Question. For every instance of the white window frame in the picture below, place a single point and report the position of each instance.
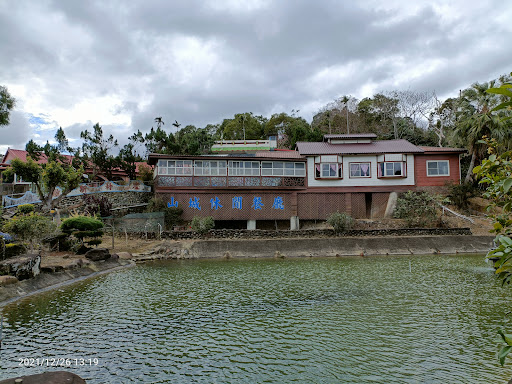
(359, 163)
(439, 161)
(385, 163)
(210, 168)
(329, 168)
(244, 170)
(175, 167)
(282, 168)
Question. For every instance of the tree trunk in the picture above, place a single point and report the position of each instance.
(469, 175)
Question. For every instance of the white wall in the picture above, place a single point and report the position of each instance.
(362, 181)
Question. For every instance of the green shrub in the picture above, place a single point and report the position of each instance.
(32, 228)
(202, 225)
(459, 194)
(25, 208)
(14, 249)
(419, 209)
(340, 221)
(81, 228)
(81, 223)
(172, 214)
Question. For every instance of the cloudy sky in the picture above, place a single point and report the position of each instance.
(73, 63)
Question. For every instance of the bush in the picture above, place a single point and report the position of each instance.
(172, 214)
(459, 194)
(32, 228)
(82, 227)
(25, 208)
(202, 225)
(340, 221)
(81, 223)
(145, 173)
(97, 205)
(419, 209)
(14, 249)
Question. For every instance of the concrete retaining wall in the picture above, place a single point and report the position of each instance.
(347, 246)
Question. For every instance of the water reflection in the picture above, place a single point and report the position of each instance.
(347, 320)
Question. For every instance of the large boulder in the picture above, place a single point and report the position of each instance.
(7, 280)
(98, 254)
(22, 267)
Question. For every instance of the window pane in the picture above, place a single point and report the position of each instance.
(213, 164)
(278, 172)
(289, 165)
(266, 172)
(432, 165)
(266, 165)
(300, 172)
(299, 165)
(289, 172)
(398, 169)
(171, 163)
(365, 169)
(278, 164)
(354, 170)
(199, 163)
(443, 167)
(255, 164)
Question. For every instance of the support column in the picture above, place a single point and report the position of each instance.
(251, 224)
(294, 223)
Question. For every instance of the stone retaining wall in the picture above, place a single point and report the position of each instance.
(118, 199)
(312, 233)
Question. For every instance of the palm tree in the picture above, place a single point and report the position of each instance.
(159, 122)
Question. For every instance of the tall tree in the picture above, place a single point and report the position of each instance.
(97, 151)
(253, 126)
(7, 103)
(57, 172)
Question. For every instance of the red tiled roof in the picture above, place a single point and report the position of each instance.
(380, 146)
(22, 155)
(443, 149)
(351, 136)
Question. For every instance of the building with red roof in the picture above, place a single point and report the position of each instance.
(353, 173)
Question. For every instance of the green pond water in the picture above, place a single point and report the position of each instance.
(339, 320)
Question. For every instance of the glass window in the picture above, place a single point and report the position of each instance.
(329, 170)
(244, 168)
(438, 168)
(210, 168)
(391, 169)
(175, 167)
(359, 169)
(281, 168)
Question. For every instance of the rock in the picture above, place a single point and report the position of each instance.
(124, 255)
(58, 377)
(97, 254)
(22, 267)
(115, 256)
(6, 280)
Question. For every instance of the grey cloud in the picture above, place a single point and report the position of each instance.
(17, 133)
(266, 59)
